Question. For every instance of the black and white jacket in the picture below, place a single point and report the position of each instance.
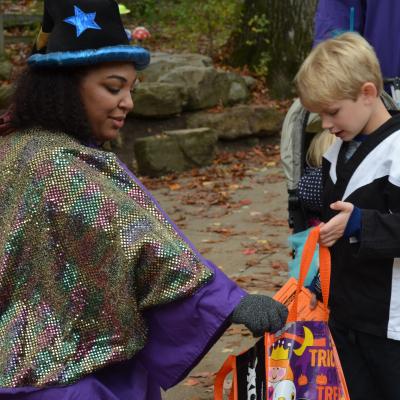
(365, 282)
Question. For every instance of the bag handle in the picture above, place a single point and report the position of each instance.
(228, 366)
(324, 271)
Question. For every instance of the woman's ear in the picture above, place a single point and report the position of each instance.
(369, 91)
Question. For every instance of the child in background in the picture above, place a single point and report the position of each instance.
(309, 192)
(341, 80)
(310, 185)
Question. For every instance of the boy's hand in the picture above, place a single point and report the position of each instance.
(333, 230)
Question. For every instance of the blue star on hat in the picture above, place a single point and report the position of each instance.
(82, 21)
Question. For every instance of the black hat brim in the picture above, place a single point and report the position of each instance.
(139, 56)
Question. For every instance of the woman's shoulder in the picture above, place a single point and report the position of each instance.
(46, 155)
(37, 146)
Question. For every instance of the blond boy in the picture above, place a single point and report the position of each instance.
(341, 80)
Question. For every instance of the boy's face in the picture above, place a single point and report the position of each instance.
(346, 118)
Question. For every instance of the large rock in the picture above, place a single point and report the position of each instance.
(175, 151)
(5, 69)
(199, 83)
(162, 63)
(250, 81)
(6, 92)
(240, 121)
(158, 99)
(231, 88)
(206, 87)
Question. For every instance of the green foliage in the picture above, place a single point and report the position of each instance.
(262, 66)
(272, 39)
(198, 25)
(143, 12)
(258, 26)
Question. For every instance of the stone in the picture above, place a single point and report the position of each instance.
(230, 88)
(175, 151)
(207, 87)
(6, 91)
(161, 63)
(5, 69)
(250, 81)
(199, 83)
(240, 121)
(158, 99)
(314, 124)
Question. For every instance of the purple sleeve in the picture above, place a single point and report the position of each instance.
(181, 333)
(334, 15)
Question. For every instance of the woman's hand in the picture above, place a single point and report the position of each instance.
(333, 230)
(260, 314)
(313, 301)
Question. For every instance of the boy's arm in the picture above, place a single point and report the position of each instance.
(378, 232)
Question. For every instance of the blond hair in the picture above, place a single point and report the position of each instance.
(320, 143)
(336, 69)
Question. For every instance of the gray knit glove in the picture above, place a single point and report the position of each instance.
(260, 314)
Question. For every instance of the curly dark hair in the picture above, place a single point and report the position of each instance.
(50, 98)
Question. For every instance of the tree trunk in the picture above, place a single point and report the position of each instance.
(273, 39)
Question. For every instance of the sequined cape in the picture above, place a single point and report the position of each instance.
(84, 252)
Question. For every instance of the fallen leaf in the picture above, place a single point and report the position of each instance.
(252, 263)
(226, 350)
(191, 382)
(204, 374)
(174, 186)
(213, 241)
(249, 252)
(245, 202)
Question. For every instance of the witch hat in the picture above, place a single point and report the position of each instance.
(84, 32)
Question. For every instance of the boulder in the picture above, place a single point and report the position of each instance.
(162, 63)
(199, 83)
(5, 69)
(158, 99)
(207, 87)
(231, 88)
(250, 81)
(6, 91)
(314, 124)
(240, 121)
(175, 151)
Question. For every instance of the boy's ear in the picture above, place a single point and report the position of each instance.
(368, 89)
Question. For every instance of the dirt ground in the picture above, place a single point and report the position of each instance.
(235, 212)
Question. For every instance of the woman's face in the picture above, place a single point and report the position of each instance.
(106, 95)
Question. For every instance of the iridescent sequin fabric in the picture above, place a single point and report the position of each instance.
(83, 252)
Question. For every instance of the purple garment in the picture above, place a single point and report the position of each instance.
(377, 20)
(180, 334)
